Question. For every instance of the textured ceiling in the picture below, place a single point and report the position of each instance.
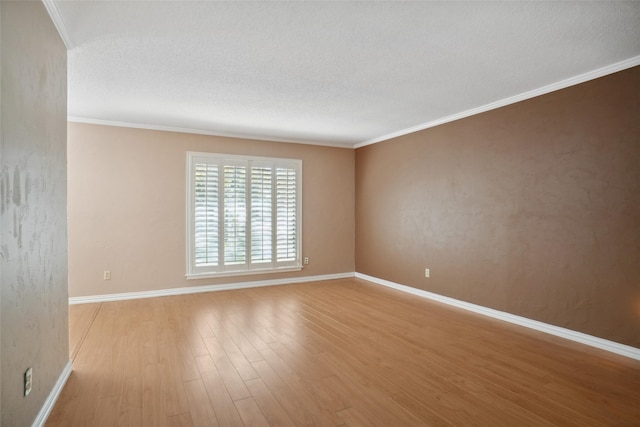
(335, 73)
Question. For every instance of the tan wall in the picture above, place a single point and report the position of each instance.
(533, 208)
(33, 259)
(127, 207)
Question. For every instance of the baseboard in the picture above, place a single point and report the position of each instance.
(611, 346)
(41, 419)
(205, 288)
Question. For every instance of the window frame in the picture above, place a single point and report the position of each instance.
(248, 268)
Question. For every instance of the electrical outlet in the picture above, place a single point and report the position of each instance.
(28, 381)
(306, 260)
(107, 275)
(426, 272)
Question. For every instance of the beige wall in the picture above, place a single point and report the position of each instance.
(33, 261)
(127, 207)
(533, 208)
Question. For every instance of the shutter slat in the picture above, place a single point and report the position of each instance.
(235, 214)
(286, 238)
(261, 214)
(206, 214)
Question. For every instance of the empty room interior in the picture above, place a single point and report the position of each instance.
(319, 213)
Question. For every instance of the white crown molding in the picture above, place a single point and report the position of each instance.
(572, 81)
(591, 75)
(611, 346)
(56, 17)
(48, 405)
(76, 119)
(205, 288)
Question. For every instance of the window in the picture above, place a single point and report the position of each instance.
(243, 214)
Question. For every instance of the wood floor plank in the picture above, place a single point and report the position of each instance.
(225, 410)
(313, 393)
(300, 407)
(173, 390)
(180, 420)
(249, 327)
(234, 354)
(153, 413)
(179, 326)
(341, 352)
(202, 413)
(241, 342)
(250, 413)
(352, 417)
(374, 403)
(106, 414)
(422, 412)
(130, 412)
(232, 379)
(271, 408)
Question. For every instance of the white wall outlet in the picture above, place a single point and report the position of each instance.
(28, 381)
(306, 260)
(426, 272)
(107, 275)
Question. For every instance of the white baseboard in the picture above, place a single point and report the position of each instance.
(590, 340)
(558, 331)
(41, 419)
(205, 288)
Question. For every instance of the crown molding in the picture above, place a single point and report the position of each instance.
(75, 119)
(572, 81)
(56, 17)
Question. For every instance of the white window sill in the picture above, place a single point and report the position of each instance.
(241, 273)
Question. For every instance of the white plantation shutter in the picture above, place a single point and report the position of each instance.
(286, 237)
(206, 212)
(235, 215)
(261, 214)
(243, 214)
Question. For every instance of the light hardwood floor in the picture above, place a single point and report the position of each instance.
(342, 352)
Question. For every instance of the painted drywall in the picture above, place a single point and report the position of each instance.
(532, 209)
(34, 310)
(127, 207)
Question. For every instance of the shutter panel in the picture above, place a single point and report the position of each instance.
(206, 214)
(235, 215)
(261, 214)
(286, 236)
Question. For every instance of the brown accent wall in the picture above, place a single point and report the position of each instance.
(533, 208)
(127, 207)
(33, 202)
